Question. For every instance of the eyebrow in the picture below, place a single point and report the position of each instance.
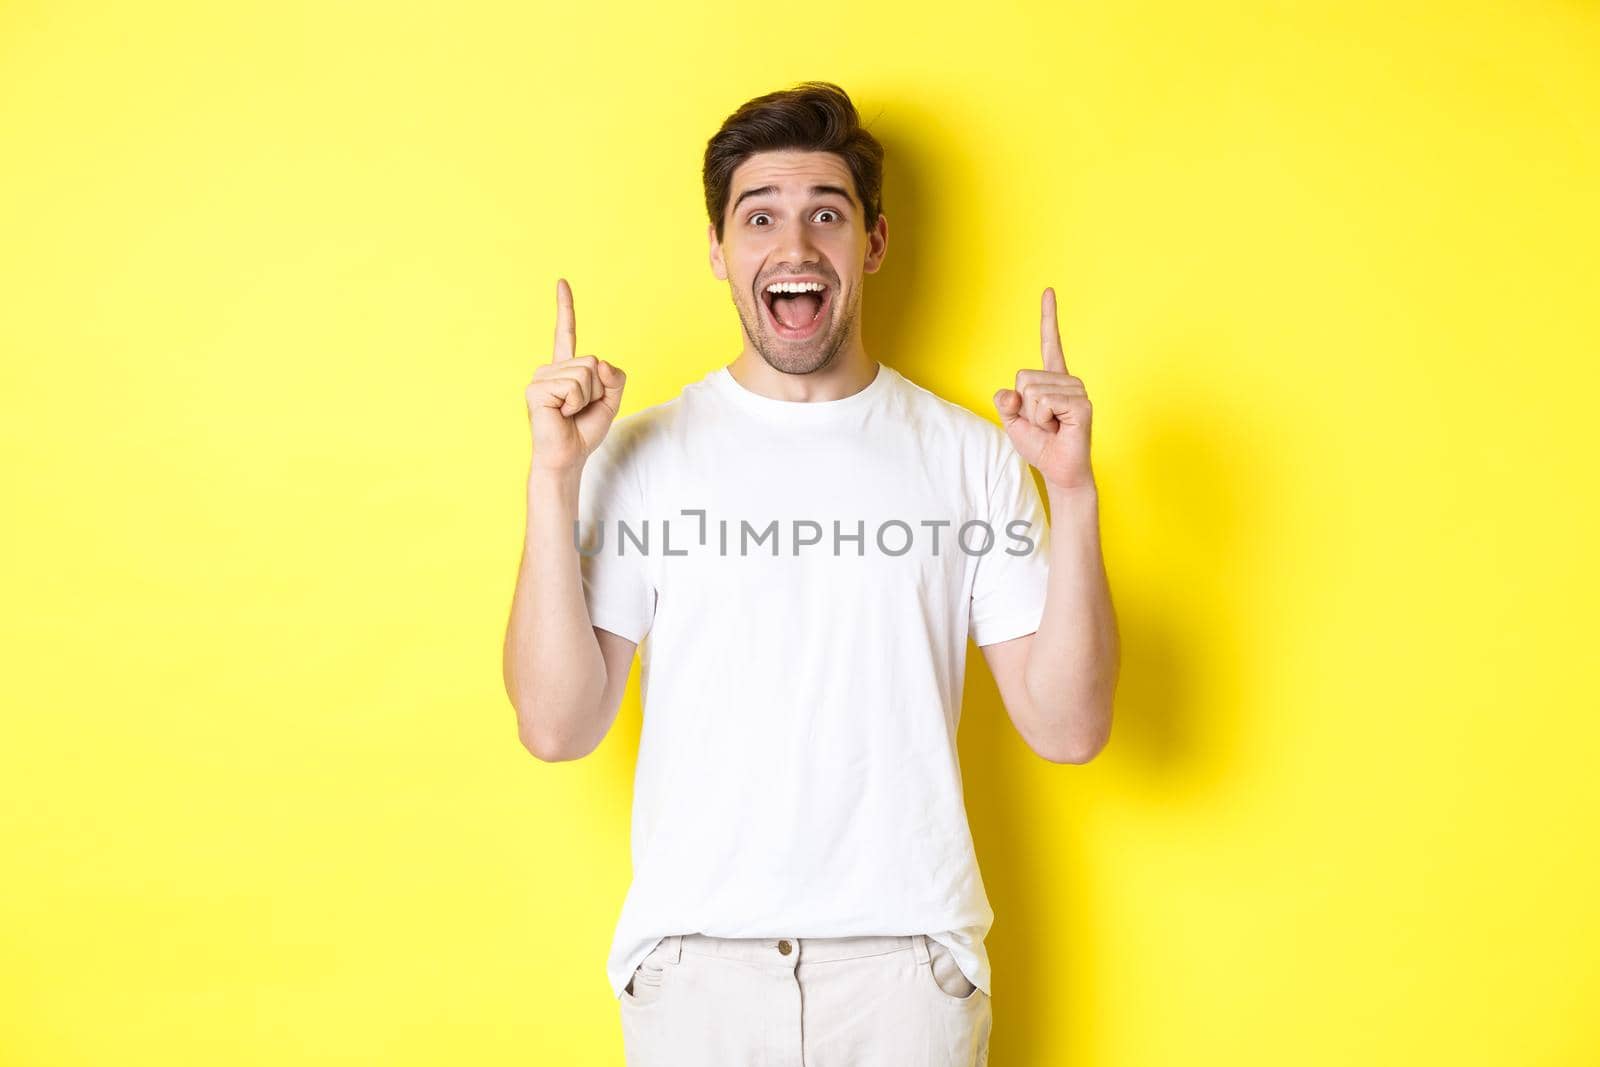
(816, 190)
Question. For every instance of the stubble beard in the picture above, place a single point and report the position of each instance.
(805, 357)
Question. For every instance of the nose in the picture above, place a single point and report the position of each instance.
(796, 248)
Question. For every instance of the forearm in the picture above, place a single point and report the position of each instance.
(1073, 661)
(554, 672)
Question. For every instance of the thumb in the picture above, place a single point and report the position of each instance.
(594, 421)
(1025, 436)
(612, 379)
(1009, 403)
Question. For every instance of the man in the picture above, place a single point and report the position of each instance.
(808, 539)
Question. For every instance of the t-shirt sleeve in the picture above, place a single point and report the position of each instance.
(1011, 579)
(617, 586)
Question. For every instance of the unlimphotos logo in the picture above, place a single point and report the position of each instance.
(891, 537)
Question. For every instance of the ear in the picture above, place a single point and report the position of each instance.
(877, 245)
(718, 267)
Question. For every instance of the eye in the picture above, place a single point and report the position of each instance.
(759, 215)
(828, 211)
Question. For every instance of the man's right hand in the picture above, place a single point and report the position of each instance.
(572, 400)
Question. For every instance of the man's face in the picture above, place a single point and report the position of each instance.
(791, 216)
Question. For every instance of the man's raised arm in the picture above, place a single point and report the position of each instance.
(564, 677)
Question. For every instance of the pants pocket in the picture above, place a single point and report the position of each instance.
(946, 976)
(649, 978)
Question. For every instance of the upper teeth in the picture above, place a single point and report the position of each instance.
(795, 287)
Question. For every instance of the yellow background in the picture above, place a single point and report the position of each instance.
(273, 277)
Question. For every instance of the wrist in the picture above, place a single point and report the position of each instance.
(542, 479)
(1079, 495)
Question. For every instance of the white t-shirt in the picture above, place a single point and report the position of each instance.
(797, 772)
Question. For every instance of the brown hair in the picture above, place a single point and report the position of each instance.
(813, 116)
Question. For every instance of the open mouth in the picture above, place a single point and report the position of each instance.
(796, 310)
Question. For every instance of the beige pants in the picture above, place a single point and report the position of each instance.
(894, 1001)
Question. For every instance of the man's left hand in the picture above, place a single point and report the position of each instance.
(1047, 415)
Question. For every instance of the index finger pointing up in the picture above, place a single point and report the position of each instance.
(1050, 335)
(566, 324)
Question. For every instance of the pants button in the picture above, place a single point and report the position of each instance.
(784, 947)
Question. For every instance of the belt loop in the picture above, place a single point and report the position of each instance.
(674, 948)
(919, 946)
